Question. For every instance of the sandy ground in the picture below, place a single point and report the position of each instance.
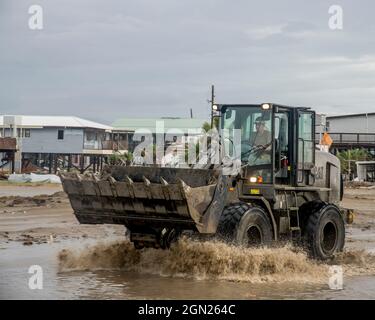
(33, 216)
(362, 200)
(28, 189)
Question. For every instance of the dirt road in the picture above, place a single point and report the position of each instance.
(83, 261)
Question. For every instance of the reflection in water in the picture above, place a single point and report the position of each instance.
(130, 285)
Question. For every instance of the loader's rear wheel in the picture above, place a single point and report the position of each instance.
(245, 225)
(325, 232)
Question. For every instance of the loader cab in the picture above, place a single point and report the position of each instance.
(274, 143)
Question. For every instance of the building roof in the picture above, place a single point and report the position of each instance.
(132, 124)
(53, 121)
(355, 115)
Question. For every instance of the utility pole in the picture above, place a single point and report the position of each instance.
(212, 101)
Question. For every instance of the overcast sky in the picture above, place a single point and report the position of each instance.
(104, 59)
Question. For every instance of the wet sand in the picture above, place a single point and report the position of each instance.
(84, 261)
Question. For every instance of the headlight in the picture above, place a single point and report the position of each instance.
(253, 179)
(266, 106)
(214, 107)
(258, 179)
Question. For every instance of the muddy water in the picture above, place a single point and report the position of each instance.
(191, 270)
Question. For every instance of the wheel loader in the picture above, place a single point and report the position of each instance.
(284, 188)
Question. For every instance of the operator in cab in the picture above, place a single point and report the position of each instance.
(261, 142)
(262, 136)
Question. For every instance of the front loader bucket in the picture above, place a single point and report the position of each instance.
(145, 196)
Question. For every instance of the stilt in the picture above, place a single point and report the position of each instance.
(50, 163)
(55, 163)
(69, 162)
(82, 163)
(94, 164)
(13, 161)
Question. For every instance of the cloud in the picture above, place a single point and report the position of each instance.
(265, 32)
(108, 59)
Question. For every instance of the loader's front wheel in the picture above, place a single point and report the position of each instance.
(325, 232)
(245, 225)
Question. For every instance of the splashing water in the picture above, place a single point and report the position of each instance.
(214, 260)
(199, 260)
(356, 263)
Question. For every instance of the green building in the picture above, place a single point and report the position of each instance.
(124, 129)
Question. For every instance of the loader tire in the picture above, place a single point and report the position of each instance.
(325, 232)
(246, 225)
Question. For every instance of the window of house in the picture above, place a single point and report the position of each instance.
(91, 136)
(60, 134)
(27, 133)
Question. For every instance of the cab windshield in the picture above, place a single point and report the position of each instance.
(247, 135)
